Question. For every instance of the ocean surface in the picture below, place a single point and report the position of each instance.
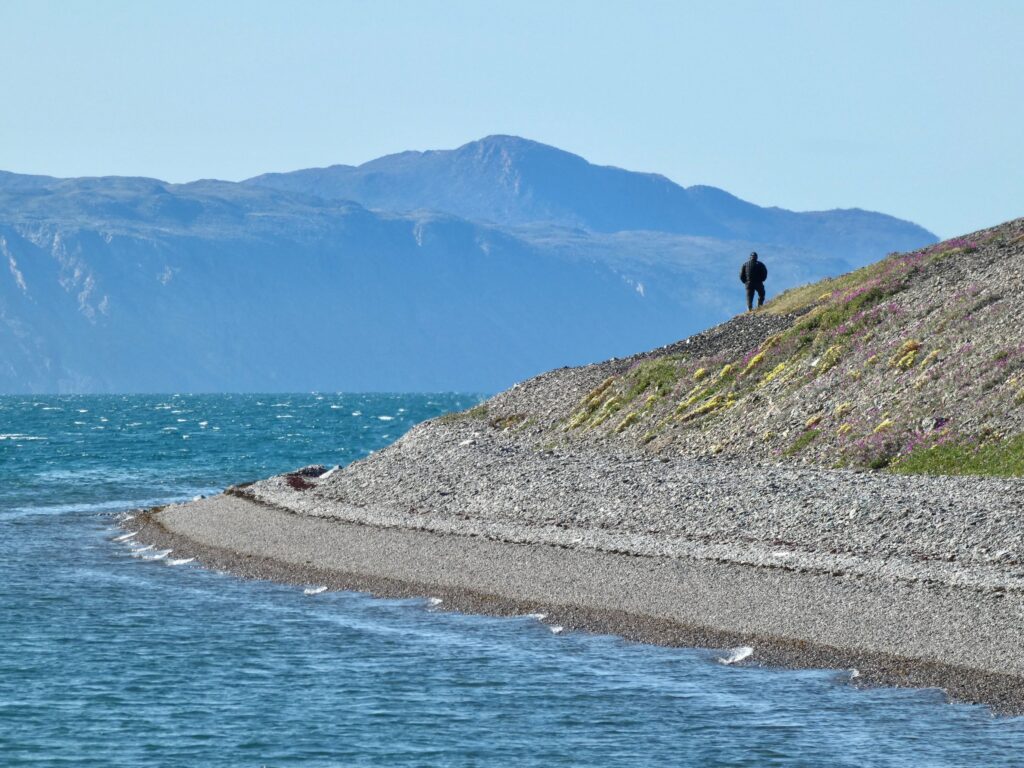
(111, 657)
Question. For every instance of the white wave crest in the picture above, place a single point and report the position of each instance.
(314, 590)
(126, 536)
(163, 553)
(736, 655)
(537, 616)
(181, 561)
(556, 629)
(434, 601)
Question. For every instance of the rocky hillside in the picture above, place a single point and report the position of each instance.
(915, 363)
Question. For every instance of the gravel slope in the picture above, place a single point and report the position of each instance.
(467, 478)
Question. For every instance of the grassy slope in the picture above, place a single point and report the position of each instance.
(915, 363)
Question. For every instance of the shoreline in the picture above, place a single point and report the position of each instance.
(892, 632)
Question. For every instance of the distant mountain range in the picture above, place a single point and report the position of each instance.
(465, 269)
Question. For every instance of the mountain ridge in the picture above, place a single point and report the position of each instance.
(118, 284)
(513, 181)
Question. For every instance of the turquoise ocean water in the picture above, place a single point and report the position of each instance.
(110, 659)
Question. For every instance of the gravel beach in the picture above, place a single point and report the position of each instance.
(799, 564)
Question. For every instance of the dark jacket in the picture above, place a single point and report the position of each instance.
(753, 272)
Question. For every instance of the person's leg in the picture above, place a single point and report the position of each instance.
(760, 294)
(750, 297)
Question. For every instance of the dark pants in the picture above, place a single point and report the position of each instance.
(751, 288)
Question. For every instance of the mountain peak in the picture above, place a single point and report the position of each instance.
(513, 181)
(508, 143)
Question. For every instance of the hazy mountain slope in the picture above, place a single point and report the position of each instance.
(516, 182)
(344, 299)
(134, 284)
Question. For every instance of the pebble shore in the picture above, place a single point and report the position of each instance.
(806, 566)
(905, 580)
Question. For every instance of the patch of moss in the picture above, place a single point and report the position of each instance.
(805, 439)
(661, 374)
(773, 374)
(474, 413)
(509, 422)
(694, 396)
(611, 406)
(1001, 458)
(590, 403)
(885, 424)
(830, 359)
(595, 397)
(627, 422)
(754, 362)
(906, 355)
(930, 358)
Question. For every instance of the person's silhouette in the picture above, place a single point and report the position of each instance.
(753, 273)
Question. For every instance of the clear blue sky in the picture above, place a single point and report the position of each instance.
(911, 108)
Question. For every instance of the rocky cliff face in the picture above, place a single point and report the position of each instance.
(915, 362)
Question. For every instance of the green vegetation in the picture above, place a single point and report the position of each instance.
(906, 355)
(803, 441)
(804, 297)
(863, 287)
(1000, 458)
(511, 421)
(627, 422)
(474, 413)
(829, 359)
(610, 407)
(661, 374)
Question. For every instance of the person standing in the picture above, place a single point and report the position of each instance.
(753, 273)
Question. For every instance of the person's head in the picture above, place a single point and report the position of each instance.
(753, 255)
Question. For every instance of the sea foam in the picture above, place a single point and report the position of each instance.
(736, 655)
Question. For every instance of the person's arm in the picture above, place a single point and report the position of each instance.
(743, 273)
